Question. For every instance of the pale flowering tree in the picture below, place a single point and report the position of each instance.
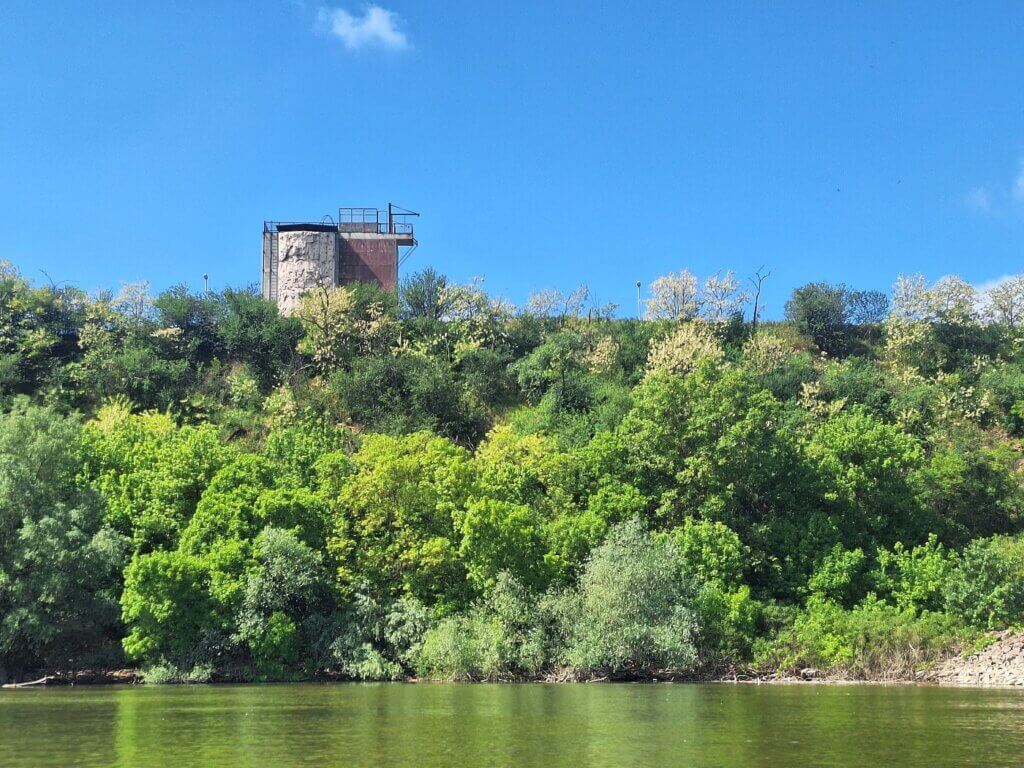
(337, 329)
(679, 296)
(474, 317)
(470, 302)
(573, 304)
(1004, 302)
(551, 303)
(910, 299)
(953, 300)
(685, 348)
(912, 338)
(765, 352)
(134, 303)
(544, 303)
(673, 297)
(601, 355)
(327, 315)
(721, 297)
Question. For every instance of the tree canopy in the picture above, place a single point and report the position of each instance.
(436, 482)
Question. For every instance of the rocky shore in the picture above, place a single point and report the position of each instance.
(999, 665)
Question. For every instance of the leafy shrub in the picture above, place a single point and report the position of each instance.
(164, 673)
(408, 393)
(59, 565)
(973, 489)
(497, 537)
(630, 613)
(873, 641)
(275, 647)
(1004, 385)
(728, 624)
(708, 552)
(857, 381)
(168, 608)
(986, 588)
(371, 640)
(840, 576)
(501, 638)
(711, 556)
(287, 582)
(486, 374)
(149, 471)
(913, 578)
(867, 465)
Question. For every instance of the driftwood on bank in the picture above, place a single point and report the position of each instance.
(41, 681)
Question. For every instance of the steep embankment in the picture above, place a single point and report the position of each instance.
(1001, 664)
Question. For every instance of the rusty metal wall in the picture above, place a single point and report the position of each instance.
(371, 259)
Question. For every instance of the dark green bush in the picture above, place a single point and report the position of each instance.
(986, 588)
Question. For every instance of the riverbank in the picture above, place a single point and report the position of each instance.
(998, 664)
(80, 677)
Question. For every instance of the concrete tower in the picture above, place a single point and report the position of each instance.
(364, 246)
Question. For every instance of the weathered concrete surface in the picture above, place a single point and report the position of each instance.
(305, 260)
(1001, 664)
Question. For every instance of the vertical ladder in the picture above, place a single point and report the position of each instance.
(273, 266)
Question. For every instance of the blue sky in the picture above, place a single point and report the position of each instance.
(546, 144)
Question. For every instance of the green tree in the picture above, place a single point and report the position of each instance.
(711, 557)
(709, 552)
(867, 467)
(914, 578)
(972, 488)
(243, 498)
(59, 567)
(194, 320)
(840, 577)
(424, 295)
(500, 638)
(253, 332)
(501, 537)
(408, 394)
(288, 585)
(826, 313)
(343, 323)
(34, 332)
(713, 443)
(169, 610)
(394, 531)
(149, 471)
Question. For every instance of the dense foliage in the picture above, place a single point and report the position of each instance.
(439, 484)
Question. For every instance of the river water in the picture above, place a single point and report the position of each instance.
(511, 725)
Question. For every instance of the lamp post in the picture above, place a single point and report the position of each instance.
(639, 302)
(206, 284)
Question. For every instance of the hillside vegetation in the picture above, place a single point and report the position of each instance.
(440, 484)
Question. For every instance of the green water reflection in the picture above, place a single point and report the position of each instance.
(511, 725)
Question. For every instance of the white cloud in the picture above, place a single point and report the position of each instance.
(375, 27)
(997, 199)
(988, 285)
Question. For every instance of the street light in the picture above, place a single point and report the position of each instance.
(206, 284)
(639, 302)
